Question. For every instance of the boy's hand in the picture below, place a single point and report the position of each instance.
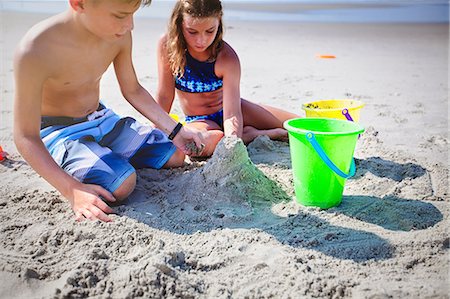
(190, 141)
(195, 151)
(87, 204)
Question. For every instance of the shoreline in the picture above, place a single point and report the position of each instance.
(352, 12)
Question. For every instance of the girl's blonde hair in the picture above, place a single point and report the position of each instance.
(176, 44)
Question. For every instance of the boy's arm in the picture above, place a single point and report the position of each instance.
(142, 101)
(166, 84)
(30, 74)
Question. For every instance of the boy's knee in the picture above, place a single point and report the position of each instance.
(177, 160)
(126, 188)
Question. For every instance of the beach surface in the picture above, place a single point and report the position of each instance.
(230, 227)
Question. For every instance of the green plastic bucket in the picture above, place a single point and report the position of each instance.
(322, 158)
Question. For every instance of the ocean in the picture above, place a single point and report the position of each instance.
(342, 11)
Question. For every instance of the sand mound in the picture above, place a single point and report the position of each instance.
(231, 172)
(227, 191)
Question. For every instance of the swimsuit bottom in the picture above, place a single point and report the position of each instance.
(103, 148)
(216, 117)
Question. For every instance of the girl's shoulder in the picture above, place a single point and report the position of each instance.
(162, 49)
(227, 53)
(162, 41)
(227, 61)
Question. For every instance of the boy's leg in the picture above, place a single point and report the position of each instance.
(143, 145)
(176, 160)
(90, 163)
(125, 189)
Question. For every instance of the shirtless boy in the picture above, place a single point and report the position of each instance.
(73, 141)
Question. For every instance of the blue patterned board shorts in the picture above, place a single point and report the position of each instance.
(215, 117)
(103, 148)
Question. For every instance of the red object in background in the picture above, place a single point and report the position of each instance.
(2, 154)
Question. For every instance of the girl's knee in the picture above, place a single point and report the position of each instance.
(126, 188)
(212, 140)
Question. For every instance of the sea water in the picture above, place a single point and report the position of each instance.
(341, 11)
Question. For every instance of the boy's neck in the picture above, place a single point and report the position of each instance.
(81, 33)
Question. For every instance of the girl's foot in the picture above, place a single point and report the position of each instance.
(250, 133)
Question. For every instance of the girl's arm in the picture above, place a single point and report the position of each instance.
(229, 68)
(143, 102)
(166, 83)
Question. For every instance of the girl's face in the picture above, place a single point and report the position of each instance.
(199, 33)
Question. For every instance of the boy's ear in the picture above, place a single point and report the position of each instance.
(77, 5)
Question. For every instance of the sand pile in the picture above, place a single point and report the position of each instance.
(227, 190)
(231, 174)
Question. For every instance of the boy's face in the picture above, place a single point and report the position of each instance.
(199, 33)
(111, 19)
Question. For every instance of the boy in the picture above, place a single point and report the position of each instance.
(62, 130)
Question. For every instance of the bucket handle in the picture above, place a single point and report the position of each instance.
(347, 114)
(348, 117)
(312, 139)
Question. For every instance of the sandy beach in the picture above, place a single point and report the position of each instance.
(230, 227)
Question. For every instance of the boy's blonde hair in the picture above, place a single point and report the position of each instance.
(176, 44)
(141, 2)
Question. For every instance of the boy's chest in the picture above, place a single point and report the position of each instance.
(78, 67)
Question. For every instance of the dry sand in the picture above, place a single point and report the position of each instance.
(229, 227)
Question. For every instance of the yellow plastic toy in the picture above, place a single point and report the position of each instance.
(346, 109)
(176, 118)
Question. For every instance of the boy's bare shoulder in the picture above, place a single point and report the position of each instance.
(42, 40)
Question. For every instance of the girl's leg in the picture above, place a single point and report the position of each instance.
(264, 120)
(212, 136)
(249, 134)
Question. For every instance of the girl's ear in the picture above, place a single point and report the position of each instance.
(77, 5)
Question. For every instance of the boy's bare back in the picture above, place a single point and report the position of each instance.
(70, 62)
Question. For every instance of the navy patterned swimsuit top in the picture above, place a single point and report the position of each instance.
(198, 76)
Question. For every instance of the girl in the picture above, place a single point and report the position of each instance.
(194, 60)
